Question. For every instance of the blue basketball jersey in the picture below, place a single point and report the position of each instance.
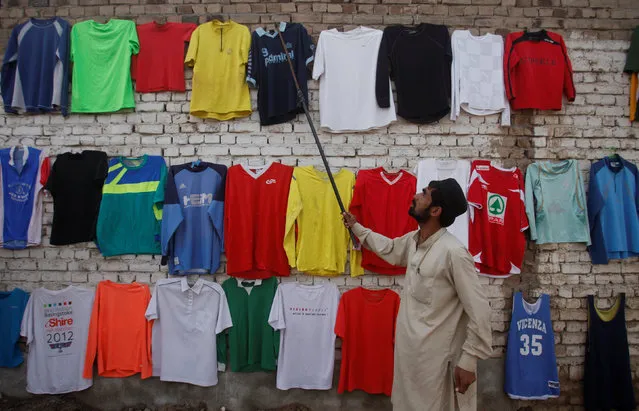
(531, 366)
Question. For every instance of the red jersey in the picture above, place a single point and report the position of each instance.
(255, 220)
(366, 324)
(159, 66)
(497, 219)
(537, 70)
(380, 202)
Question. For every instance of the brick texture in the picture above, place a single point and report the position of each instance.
(597, 34)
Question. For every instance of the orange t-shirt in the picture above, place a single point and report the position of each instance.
(119, 333)
(366, 324)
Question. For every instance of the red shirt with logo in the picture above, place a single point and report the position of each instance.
(381, 201)
(159, 66)
(366, 322)
(537, 71)
(255, 220)
(497, 219)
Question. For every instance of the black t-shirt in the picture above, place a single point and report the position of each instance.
(418, 59)
(75, 183)
(268, 70)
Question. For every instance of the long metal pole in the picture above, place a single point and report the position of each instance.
(301, 100)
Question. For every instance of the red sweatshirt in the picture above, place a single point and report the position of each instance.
(537, 71)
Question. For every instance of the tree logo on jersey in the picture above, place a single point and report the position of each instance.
(496, 208)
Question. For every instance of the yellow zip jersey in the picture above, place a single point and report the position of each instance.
(322, 241)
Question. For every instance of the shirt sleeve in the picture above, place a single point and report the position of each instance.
(393, 251)
(382, 82)
(134, 43)
(293, 210)
(191, 54)
(531, 181)
(581, 199)
(158, 197)
(245, 47)
(189, 28)
(455, 105)
(276, 315)
(27, 324)
(478, 344)
(308, 48)
(252, 67)
(318, 66)
(523, 218)
(92, 340)
(569, 85)
(340, 321)
(216, 209)
(45, 170)
(50, 185)
(596, 202)
(63, 57)
(9, 66)
(153, 309)
(223, 314)
(510, 61)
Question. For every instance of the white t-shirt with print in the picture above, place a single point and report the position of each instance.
(306, 316)
(56, 325)
(187, 321)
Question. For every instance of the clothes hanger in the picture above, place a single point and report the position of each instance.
(195, 163)
(191, 279)
(101, 19)
(161, 20)
(219, 17)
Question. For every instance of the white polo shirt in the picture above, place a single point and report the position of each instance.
(187, 321)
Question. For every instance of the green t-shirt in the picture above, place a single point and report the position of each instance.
(253, 344)
(632, 62)
(101, 56)
(130, 214)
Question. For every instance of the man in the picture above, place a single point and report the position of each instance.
(443, 325)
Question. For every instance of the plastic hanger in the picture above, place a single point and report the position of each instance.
(161, 20)
(195, 163)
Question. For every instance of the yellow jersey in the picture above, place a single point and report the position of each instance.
(218, 53)
(322, 241)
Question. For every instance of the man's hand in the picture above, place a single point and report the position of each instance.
(349, 219)
(463, 379)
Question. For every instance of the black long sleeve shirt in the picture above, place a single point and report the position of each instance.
(418, 60)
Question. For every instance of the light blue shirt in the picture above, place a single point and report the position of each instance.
(556, 203)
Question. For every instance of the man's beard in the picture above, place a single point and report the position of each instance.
(422, 217)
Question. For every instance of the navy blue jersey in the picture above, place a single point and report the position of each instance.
(531, 366)
(268, 70)
(193, 217)
(35, 69)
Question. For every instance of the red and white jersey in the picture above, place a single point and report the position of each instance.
(255, 220)
(381, 201)
(497, 219)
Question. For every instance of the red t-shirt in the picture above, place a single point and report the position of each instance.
(366, 324)
(537, 72)
(380, 202)
(159, 66)
(255, 220)
(497, 219)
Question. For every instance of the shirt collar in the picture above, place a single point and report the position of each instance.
(24, 157)
(240, 280)
(197, 287)
(261, 32)
(430, 240)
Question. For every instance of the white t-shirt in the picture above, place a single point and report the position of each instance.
(346, 63)
(187, 321)
(433, 169)
(477, 76)
(56, 325)
(306, 315)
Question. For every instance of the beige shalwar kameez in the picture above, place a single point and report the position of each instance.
(443, 320)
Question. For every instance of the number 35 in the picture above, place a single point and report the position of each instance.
(535, 344)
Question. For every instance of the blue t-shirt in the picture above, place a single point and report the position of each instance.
(613, 210)
(268, 69)
(193, 218)
(12, 305)
(35, 69)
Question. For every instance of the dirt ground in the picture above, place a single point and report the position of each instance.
(69, 403)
